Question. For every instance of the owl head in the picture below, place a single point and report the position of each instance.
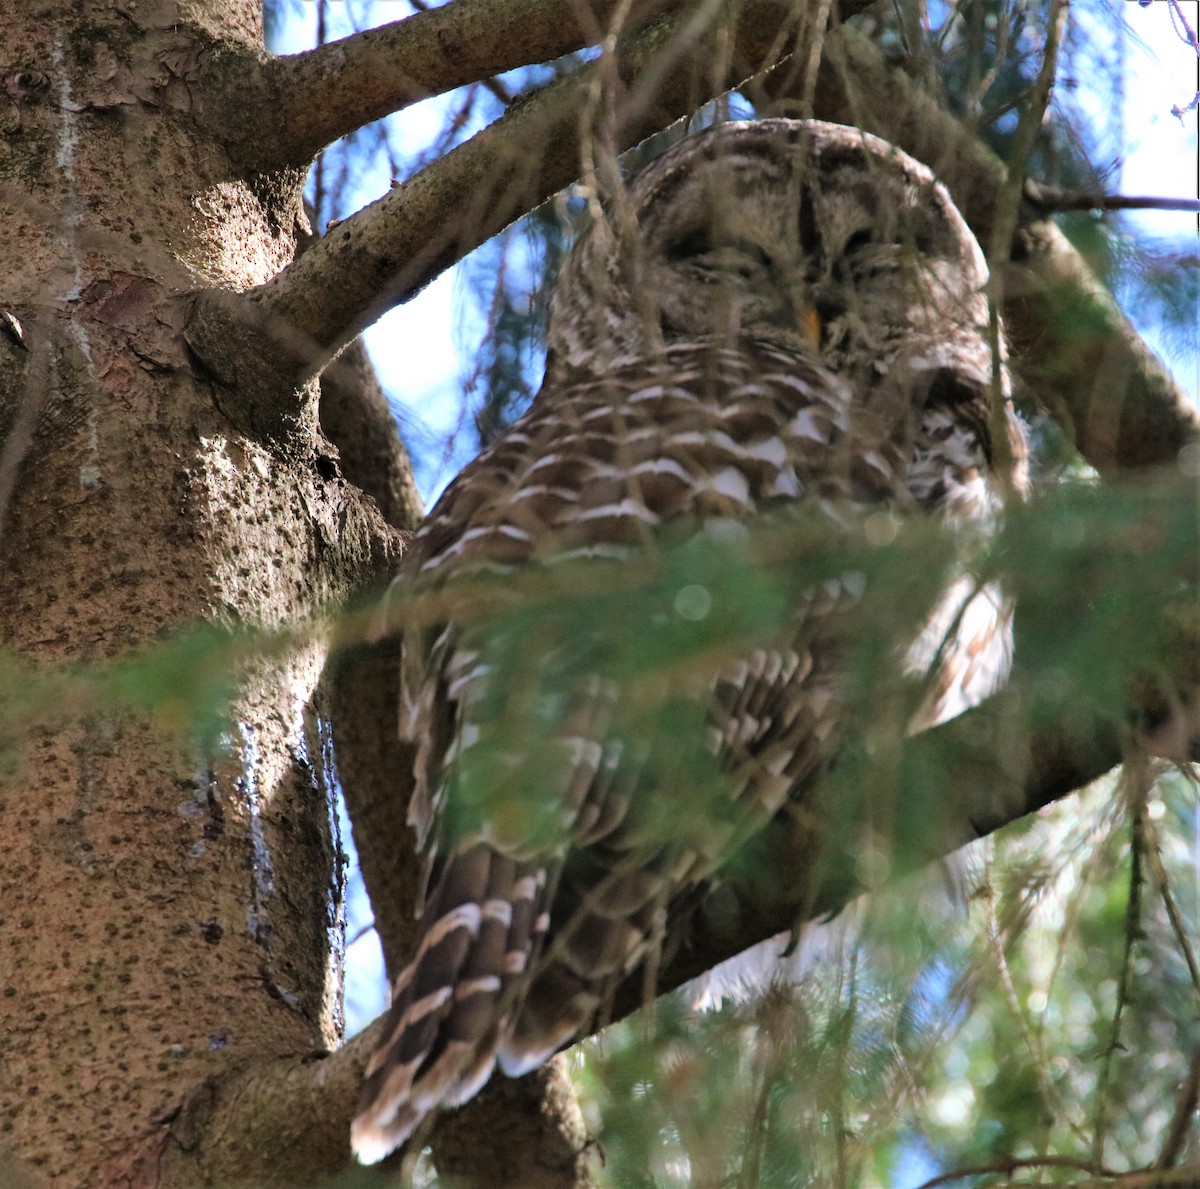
(804, 233)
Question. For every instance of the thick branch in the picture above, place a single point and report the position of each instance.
(286, 1123)
(1079, 355)
(375, 767)
(1033, 744)
(545, 1143)
(1072, 345)
(311, 99)
(356, 418)
(548, 1145)
(362, 683)
(959, 757)
(268, 342)
(283, 1123)
(955, 783)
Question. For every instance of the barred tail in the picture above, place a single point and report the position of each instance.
(482, 928)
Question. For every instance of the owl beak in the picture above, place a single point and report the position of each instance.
(809, 323)
(801, 312)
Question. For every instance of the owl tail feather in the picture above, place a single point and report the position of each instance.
(482, 927)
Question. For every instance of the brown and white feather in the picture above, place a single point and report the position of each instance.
(799, 330)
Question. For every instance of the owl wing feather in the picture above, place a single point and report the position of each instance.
(523, 937)
(557, 804)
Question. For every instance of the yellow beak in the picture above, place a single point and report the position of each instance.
(810, 324)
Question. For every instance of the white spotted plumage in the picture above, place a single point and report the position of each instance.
(800, 332)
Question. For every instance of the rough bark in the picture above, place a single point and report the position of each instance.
(542, 1141)
(309, 100)
(356, 418)
(391, 249)
(168, 904)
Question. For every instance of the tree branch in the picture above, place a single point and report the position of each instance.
(269, 342)
(545, 1144)
(356, 418)
(1028, 746)
(1033, 744)
(955, 783)
(548, 1145)
(282, 1123)
(998, 765)
(1051, 198)
(307, 101)
(1072, 346)
(361, 682)
(311, 99)
(997, 772)
(1075, 350)
(998, 246)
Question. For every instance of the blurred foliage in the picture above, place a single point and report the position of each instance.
(924, 1035)
(1047, 1028)
(1163, 279)
(185, 685)
(945, 1040)
(513, 275)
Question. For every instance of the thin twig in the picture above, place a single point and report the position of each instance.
(1007, 1167)
(820, 19)
(1007, 217)
(1189, 1092)
(1158, 871)
(1049, 198)
(1096, 835)
(1181, 1121)
(1134, 773)
(996, 942)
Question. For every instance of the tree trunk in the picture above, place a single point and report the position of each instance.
(170, 875)
(167, 900)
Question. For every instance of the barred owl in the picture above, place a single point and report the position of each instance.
(777, 318)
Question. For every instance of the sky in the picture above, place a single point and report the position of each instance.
(1161, 154)
(422, 350)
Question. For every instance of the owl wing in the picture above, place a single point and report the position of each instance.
(598, 470)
